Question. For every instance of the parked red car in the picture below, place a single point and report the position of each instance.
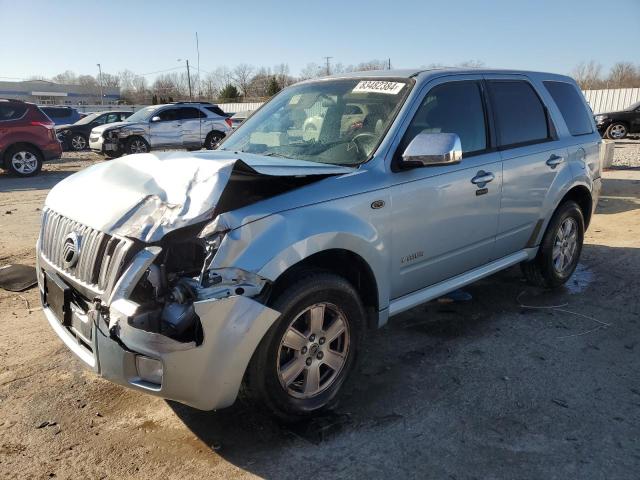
(27, 138)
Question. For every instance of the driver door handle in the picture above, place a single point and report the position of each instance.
(482, 178)
(554, 161)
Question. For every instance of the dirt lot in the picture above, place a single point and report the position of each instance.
(516, 383)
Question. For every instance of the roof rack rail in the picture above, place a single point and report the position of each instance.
(196, 103)
(11, 100)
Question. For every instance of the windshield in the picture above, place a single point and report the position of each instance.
(331, 121)
(142, 115)
(88, 119)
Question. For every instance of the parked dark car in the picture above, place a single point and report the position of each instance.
(61, 115)
(617, 125)
(27, 138)
(76, 137)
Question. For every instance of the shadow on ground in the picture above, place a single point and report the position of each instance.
(494, 386)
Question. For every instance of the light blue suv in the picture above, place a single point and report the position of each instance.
(263, 264)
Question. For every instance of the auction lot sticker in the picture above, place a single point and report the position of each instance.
(375, 86)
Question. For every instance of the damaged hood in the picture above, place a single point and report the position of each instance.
(148, 195)
(110, 126)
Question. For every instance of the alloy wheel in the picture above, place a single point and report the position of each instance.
(618, 131)
(138, 146)
(78, 142)
(24, 162)
(565, 246)
(313, 350)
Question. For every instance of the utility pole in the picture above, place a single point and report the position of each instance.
(199, 83)
(389, 63)
(100, 80)
(328, 66)
(189, 80)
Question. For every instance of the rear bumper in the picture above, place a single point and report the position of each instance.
(52, 151)
(205, 376)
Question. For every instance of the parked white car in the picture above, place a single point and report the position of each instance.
(190, 125)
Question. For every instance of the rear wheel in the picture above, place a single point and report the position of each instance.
(213, 139)
(560, 249)
(304, 359)
(24, 161)
(617, 131)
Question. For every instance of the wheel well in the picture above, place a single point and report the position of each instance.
(5, 155)
(582, 197)
(345, 263)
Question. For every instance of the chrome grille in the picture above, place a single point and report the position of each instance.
(101, 256)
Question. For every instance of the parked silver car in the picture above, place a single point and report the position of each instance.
(265, 262)
(190, 125)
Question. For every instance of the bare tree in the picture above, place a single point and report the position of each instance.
(623, 75)
(242, 76)
(109, 80)
(67, 77)
(312, 70)
(588, 75)
(471, 64)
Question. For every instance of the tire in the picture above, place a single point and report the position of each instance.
(111, 155)
(136, 145)
(212, 140)
(78, 142)
(271, 379)
(617, 131)
(560, 249)
(23, 161)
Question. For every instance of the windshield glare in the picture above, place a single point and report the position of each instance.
(331, 121)
(141, 115)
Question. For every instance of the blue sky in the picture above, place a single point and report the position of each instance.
(48, 37)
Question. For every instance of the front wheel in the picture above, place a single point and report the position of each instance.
(617, 131)
(560, 249)
(305, 357)
(24, 161)
(136, 145)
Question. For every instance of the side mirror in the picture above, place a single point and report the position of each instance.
(430, 149)
(155, 119)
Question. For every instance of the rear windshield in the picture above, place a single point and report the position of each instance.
(57, 112)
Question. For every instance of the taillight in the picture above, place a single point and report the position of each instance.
(228, 122)
(42, 124)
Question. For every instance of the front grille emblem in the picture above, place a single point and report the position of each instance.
(71, 250)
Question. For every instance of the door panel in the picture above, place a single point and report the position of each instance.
(527, 180)
(168, 131)
(192, 127)
(442, 228)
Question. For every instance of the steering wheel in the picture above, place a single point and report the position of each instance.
(360, 139)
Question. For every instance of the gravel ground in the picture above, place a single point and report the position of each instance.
(627, 153)
(516, 383)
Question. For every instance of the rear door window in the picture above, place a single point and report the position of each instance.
(571, 106)
(519, 114)
(217, 110)
(11, 111)
(189, 113)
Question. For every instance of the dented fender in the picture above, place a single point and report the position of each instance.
(273, 244)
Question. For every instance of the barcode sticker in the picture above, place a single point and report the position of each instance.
(375, 86)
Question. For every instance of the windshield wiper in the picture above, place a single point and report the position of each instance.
(274, 154)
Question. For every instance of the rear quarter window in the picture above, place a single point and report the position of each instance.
(11, 111)
(520, 115)
(571, 106)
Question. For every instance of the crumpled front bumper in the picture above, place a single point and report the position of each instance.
(205, 376)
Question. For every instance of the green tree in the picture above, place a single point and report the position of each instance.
(229, 91)
(273, 87)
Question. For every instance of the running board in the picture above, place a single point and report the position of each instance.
(411, 300)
